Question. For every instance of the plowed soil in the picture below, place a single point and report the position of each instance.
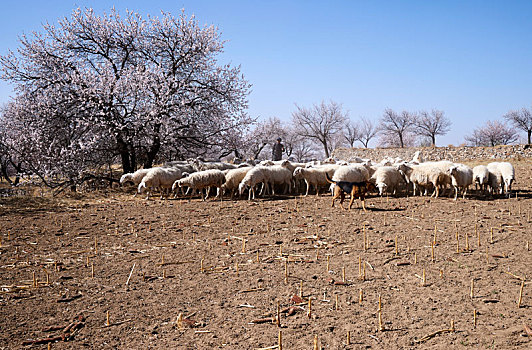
(177, 274)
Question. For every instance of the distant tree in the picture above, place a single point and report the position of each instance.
(321, 123)
(367, 131)
(492, 133)
(432, 124)
(350, 134)
(522, 120)
(262, 135)
(395, 128)
(302, 149)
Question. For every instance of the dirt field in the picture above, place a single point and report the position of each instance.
(189, 259)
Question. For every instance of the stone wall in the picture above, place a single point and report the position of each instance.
(455, 154)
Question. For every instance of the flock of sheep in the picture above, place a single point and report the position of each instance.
(393, 176)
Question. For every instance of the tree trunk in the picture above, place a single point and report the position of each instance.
(433, 138)
(529, 132)
(401, 141)
(154, 149)
(326, 148)
(123, 149)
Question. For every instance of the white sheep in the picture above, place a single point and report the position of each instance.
(495, 180)
(314, 176)
(430, 174)
(135, 177)
(351, 173)
(278, 175)
(508, 176)
(417, 158)
(199, 165)
(253, 177)
(461, 178)
(200, 180)
(387, 178)
(159, 178)
(481, 177)
(233, 178)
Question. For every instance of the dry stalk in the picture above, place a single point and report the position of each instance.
(475, 318)
(92, 270)
(520, 300)
(286, 271)
(477, 232)
(365, 239)
(432, 251)
(309, 311)
(278, 315)
(243, 246)
(396, 246)
(107, 322)
(348, 338)
(130, 273)
(471, 292)
(328, 262)
(316, 342)
(343, 274)
(381, 325)
(336, 307)
(280, 341)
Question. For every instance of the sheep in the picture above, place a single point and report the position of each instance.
(161, 178)
(233, 178)
(387, 178)
(508, 176)
(291, 165)
(278, 175)
(495, 179)
(253, 177)
(314, 176)
(430, 174)
(461, 177)
(199, 165)
(418, 158)
(135, 177)
(200, 180)
(351, 173)
(481, 177)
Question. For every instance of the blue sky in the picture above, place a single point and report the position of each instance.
(471, 59)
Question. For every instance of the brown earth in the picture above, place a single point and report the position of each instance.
(170, 241)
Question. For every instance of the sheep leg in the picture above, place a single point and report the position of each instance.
(455, 192)
(308, 186)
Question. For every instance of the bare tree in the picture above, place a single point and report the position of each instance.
(351, 134)
(432, 124)
(492, 133)
(367, 131)
(395, 127)
(321, 123)
(522, 120)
